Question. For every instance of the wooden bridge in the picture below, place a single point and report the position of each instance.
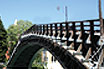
(76, 44)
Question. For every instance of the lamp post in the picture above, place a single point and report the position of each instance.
(102, 35)
(101, 19)
(66, 14)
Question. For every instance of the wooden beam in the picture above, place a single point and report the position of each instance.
(88, 54)
(100, 61)
(79, 48)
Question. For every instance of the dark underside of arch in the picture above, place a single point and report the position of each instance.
(31, 44)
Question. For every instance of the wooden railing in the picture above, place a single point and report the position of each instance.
(81, 36)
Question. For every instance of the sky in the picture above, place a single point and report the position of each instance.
(45, 11)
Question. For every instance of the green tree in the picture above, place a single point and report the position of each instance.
(3, 42)
(37, 62)
(14, 32)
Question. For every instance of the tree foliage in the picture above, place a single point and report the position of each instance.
(37, 62)
(14, 32)
(3, 42)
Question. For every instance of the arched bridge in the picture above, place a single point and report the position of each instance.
(76, 45)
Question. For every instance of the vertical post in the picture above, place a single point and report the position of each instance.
(102, 35)
(40, 29)
(82, 32)
(92, 34)
(43, 29)
(51, 30)
(74, 33)
(56, 30)
(47, 29)
(101, 19)
(66, 14)
(67, 32)
(83, 40)
(37, 29)
(61, 29)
